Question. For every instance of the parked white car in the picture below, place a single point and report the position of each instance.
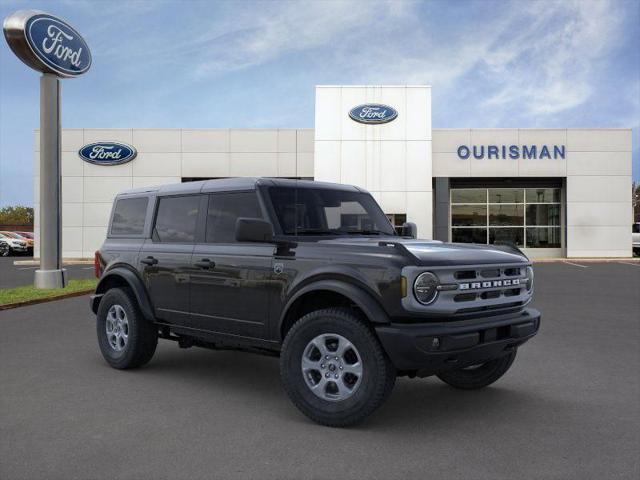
(636, 238)
(15, 244)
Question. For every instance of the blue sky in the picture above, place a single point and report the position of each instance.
(255, 64)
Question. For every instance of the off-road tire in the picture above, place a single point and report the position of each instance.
(142, 334)
(378, 377)
(480, 377)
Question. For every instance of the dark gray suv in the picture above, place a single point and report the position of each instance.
(312, 272)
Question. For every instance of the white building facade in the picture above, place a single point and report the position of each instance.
(552, 192)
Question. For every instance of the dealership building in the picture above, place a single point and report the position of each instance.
(553, 192)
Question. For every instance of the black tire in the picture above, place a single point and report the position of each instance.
(378, 375)
(473, 378)
(4, 250)
(142, 334)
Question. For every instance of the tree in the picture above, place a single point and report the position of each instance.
(16, 215)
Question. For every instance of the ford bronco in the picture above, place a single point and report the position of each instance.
(315, 273)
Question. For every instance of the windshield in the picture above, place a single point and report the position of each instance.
(320, 211)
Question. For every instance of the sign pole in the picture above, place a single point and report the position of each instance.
(49, 45)
(51, 274)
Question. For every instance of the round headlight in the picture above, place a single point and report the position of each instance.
(425, 288)
(529, 279)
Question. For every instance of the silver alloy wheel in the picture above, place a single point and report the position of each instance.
(117, 327)
(332, 367)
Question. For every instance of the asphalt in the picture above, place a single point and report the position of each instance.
(568, 409)
(21, 275)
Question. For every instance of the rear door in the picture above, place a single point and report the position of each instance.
(231, 283)
(165, 259)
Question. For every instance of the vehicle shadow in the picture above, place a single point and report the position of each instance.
(414, 404)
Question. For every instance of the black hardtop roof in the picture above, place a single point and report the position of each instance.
(230, 184)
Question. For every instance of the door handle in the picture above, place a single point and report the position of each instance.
(149, 260)
(205, 263)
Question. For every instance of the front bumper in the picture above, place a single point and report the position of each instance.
(429, 348)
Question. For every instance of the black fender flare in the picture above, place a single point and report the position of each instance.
(369, 305)
(133, 281)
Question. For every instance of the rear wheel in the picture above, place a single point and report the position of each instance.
(479, 376)
(126, 338)
(334, 369)
(4, 250)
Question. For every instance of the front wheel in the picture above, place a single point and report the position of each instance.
(479, 376)
(334, 369)
(4, 250)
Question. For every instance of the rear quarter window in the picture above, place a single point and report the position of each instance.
(129, 215)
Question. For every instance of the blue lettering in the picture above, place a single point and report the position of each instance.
(529, 152)
(558, 151)
(504, 151)
(514, 152)
(544, 153)
(463, 152)
(492, 150)
(475, 152)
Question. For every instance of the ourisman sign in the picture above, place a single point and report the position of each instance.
(513, 152)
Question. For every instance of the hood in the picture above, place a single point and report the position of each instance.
(436, 253)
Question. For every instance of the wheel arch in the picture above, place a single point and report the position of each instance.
(123, 277)
(330, 293)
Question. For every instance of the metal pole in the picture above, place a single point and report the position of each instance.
(51, 274)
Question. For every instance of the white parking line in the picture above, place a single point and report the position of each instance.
(27, 268)
(632, 264)
(576, 265)
(87, 268)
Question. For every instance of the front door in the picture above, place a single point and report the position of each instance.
(231, 282)
(165, 260)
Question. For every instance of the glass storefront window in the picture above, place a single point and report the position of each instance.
(469, 195)
(469, 235)
(511, 235)
(544, 237)
(543, 214)
(506, 195)
(506, 215)
(543, 195)
(468, 215)
(526, 217)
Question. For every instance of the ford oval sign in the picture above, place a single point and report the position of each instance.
(373, 113)
(107, 153)
(47, 43)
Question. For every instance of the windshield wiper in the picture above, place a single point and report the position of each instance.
(364, 232)
(312, 231)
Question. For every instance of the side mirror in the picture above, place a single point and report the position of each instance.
(253, 230)
(409, 229)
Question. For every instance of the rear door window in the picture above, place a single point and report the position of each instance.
(129, 215)
(224, 209)
(176, 219)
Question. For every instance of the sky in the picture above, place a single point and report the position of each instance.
(207, 64)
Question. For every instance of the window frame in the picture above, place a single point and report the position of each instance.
(198, 231)
(205, 214)
(142, 234)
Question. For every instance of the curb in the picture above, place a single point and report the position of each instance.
(26, 303)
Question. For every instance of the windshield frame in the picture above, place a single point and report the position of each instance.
(330, 233)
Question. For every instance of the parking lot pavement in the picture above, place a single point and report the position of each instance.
(567, 409)
(20, 275)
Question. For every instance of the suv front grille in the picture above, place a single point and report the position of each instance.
(474, 289)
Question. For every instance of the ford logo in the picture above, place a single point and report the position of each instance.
(373, 113)
(107, 153)
(47, 43)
